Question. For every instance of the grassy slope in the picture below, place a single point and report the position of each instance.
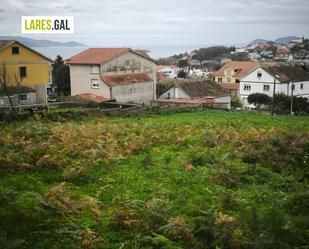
(193, 180)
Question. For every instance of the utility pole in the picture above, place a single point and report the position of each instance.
(274, 94)
(291, 110)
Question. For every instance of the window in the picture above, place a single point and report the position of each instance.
(266, 87)
(237, 81)
(95, 69)
(95, 84)
(247, 87)
(220, 80)
(228, 79)
(132, 90)
(293, 87)
(23, 72)
(22, 97)
(15, 50)
(301, 86)
(168, 95)
(228, 71)
(259, 74)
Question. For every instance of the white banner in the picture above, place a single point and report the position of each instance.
(47, 24)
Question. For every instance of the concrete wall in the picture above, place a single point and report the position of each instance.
(136, 93)
(41, 93)
(81, 77)
(31, 99)
(131, 63)
(298, 91)
(224, 99)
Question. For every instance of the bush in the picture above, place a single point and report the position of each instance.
(259, 99)
(282, 104)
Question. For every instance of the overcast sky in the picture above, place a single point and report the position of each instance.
(164, 22)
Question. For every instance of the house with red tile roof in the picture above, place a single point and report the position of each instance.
(232, 72)
(120, 74)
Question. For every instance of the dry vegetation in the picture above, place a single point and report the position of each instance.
(195, 180)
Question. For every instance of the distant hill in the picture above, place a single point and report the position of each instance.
(281, 40)
(41, 43)
(286, 39)
(258, 41)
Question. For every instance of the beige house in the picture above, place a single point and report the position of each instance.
(231, 73)
(120, 74)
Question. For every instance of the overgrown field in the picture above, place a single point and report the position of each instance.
(199, 180)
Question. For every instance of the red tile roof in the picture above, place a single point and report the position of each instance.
(96, 55)
(230, 86)
(143, 53)
(188, 101)
(125, 79)
(102, 55)
(241, 68)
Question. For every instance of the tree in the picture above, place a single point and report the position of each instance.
(183, 63)
(212, 53)
(182, 74)
(259, 99)
(7, 80)
(61, 76)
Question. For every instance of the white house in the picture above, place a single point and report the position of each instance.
(197, 73)
(169, 71)
(263, 80)
(120, 74)
(201, 92)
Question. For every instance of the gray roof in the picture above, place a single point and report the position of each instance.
(202, 88)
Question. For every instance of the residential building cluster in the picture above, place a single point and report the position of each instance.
(244, 78)
(128, 75)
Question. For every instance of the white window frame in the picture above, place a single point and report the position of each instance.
(266, 90)
(95, 84)
(22, 97)
(247, 87)
(259, 74)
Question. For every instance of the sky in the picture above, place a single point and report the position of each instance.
(162, 22)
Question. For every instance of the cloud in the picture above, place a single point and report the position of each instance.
(125, 22)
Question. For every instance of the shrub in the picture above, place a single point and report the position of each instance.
(259, 99)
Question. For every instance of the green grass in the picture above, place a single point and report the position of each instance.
(210, 179)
